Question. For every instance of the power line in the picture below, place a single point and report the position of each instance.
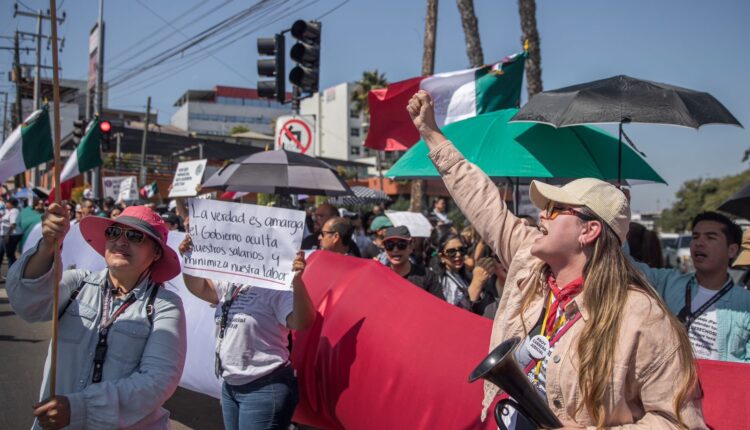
(230, 68)
(138, 44)
(191, 42)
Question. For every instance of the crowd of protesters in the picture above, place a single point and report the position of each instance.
(580, 260)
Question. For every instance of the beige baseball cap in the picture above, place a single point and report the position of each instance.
(743, 259)
(603, 198)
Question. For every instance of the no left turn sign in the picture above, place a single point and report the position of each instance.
(294, 134)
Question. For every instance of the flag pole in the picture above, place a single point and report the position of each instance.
(56, 140)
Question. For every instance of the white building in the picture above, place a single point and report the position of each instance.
(217, 111)
(339, 130)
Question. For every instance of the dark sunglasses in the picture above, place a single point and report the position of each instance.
(393, 244)
(453, 251)
(114, 232)
(553, 211)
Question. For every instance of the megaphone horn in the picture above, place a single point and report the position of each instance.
(501, 368)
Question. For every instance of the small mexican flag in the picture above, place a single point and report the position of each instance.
(28, 146)
(149, 191)
(87, 155)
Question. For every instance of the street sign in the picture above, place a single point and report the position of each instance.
(296, 133)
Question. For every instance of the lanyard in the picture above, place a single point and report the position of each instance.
(101, 345)
(687, 317)
(228, 300)
(553, 335)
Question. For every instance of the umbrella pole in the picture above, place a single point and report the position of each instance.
(619, 156)
(516, 197)
(56, 136)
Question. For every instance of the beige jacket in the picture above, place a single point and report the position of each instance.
(646, 367)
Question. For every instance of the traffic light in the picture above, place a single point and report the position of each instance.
(306, 52)
(106, 128)
(79, 130)
(272, 67)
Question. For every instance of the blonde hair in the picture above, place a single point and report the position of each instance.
(608, 277)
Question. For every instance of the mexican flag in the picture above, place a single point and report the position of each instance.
(87, 155)
(456, 95)
(149, 191)
(28, 146)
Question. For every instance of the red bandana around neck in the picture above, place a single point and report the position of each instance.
(563, 296)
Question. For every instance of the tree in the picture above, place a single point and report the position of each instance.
(471, 32)
(371, 80)
(530, 39)
(428, 68)
(699, 195)
(237, 129)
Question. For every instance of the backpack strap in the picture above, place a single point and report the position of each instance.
(73, 296)
(150, 309)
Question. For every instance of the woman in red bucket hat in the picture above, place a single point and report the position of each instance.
(121, 345)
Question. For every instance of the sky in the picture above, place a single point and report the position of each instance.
(694, 44)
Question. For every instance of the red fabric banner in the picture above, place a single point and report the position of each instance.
(391, 128)
(383, 354)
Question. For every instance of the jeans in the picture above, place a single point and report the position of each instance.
(9, 248)
(266, 403)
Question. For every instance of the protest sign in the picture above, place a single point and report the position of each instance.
(237, 242)
(418, 224)
(187, 178)
(112, 186)
(128, 189)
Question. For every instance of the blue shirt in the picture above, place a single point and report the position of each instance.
(732, 309)
(143, 363)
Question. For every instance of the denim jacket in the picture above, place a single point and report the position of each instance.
(143, 362)
(732, 309)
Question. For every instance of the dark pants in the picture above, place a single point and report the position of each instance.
(266, 403)
(9, 248)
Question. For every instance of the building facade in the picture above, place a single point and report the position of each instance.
(219, 110)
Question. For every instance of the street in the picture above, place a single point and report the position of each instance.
(24, 348)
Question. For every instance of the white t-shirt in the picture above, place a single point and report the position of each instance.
(703, 331)
(9, 217)
(255, 340)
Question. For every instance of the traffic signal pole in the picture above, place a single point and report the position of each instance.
(98, 108)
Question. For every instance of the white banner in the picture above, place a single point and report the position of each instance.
(418, 224)
(128, 189)
(237, 242)
(112, 185)
(187, 178)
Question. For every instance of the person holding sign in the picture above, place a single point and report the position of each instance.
(252, 355)
(122, 336)
(600, 345)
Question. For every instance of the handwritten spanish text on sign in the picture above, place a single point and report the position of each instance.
(187, 177)
(250, 244)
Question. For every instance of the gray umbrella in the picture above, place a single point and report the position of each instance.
(279, 172)
(362, 196)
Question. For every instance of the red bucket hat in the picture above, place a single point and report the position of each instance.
(142, 219)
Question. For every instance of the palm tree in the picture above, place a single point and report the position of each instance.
(530, 37)
(428, 68)
(471, 32)
(371, 80)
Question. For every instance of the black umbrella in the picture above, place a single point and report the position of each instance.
(739, 203)
(279, 172)
(622, 99)
(362, 196)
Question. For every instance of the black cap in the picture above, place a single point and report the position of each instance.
(401, 231)
(170, 218)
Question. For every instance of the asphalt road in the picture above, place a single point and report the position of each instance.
(23, 349)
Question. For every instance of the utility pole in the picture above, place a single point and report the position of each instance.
(5, 115)
(98, 108)
(143, 142)
(19, 78)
